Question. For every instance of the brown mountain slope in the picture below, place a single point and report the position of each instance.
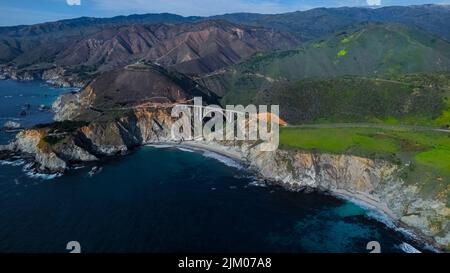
(114, 46)
(139, 84)
(132, 87)
(189, 48)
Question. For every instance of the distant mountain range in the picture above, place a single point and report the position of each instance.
(25, 45)
(370, 50)
(314, 23)
(194, 48)
(241, 57)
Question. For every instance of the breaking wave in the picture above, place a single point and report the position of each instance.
(407, 248)
(43, 176)
(31, 172)
(258, 183)
(223, 159)
(185, 150)
(159, 146)
(14, 163)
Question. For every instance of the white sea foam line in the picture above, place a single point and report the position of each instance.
(223, 159)
(379, 215)
(30, 172)
(94, 171)
(14, 163)
(27, 167)
(43, 176)
(159, 146)
(258, 183)
(185, 149)
(407, 248)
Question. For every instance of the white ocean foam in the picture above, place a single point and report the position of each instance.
(95, 170)
(14, 163)
(185, 150)
(32, 173)
(382, 217)
(159, 146)
(386, 220)
(258, 183)
(245, 176)
(223, 159)
(407, 248)
(43, 176)
(206, 153)
(28, 167)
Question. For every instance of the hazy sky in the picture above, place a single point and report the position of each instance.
(15, 12)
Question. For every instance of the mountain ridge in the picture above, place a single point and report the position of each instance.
(373, 49)
(219, 42)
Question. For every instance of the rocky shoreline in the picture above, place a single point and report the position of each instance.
(54, 76)
(377, 183)
(375, 186)
(242, 154)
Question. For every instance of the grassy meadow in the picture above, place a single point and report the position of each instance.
(424, 155)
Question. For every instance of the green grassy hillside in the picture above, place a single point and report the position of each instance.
(415, 99)
(424, 155)
(373, 50)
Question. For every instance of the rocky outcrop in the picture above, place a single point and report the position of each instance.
(10, 72)
(375, 182)
(57, 76)
(67, 106)
(11, 125)
(60, 77)
(31, 142)
(54, 148)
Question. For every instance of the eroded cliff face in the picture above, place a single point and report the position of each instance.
(375, 182)
(31, 142)
(70, 105)
(54, 149)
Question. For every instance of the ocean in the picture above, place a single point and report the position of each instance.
(169, 199)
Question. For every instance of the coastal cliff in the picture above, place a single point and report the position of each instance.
(55, 76)
(56, 146)
(124, 109)
(374, 182)
(377, 183)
